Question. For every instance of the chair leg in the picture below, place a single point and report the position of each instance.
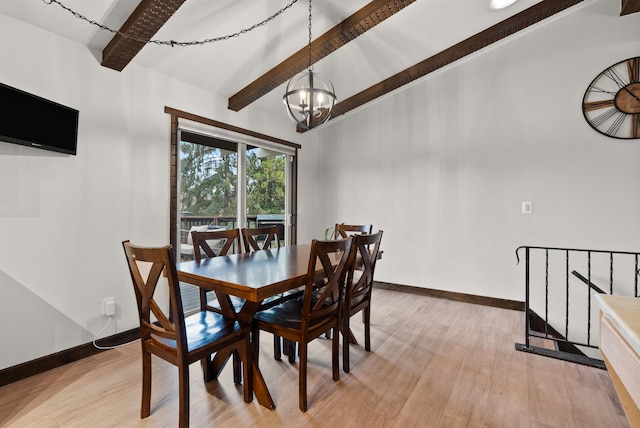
(277, 348)
(291, 350)
(247, 370)
(255, 341)
(345, 345)
(335, 354)
(237, 373)
(302, 377)
(145, 407)
(183, 394)
(366, 313)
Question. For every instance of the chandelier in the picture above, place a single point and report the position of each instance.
(309, 96)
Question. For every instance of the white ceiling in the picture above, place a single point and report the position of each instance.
(417, 32)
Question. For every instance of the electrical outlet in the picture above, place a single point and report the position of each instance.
(527, 207)
(109, 306)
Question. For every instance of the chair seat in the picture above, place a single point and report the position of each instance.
(287, 314)
(281, 298)
(206, 327)
(268, 303)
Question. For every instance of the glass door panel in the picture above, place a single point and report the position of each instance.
(208, 191)
(266, 189)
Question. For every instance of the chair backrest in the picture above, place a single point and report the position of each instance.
(229, 238)
(328, 262)
(147, 265)
(362, 264)
(197, 228)
(342, 230)
(270, 234)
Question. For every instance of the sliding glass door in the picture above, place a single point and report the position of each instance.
(230, 184)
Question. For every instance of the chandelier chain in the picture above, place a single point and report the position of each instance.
(191, 43)
(310, 61)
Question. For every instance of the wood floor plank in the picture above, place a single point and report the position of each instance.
(507, 386)
(434, 363)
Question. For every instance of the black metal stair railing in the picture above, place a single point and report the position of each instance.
(550, 275)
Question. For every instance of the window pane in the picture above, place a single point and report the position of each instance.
(266, 183)
(208, 190)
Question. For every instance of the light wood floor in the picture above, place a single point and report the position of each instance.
(435, 363)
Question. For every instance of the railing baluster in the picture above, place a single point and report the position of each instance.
(527, 318)
(566, 312)
(635, 282)
(546, 293)
(610, 273)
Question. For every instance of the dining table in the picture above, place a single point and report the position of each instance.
(253, 277)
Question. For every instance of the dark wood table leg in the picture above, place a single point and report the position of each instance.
(259, 385)
(260, 389)
(218, 363)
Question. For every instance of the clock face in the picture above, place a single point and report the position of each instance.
(611, 104)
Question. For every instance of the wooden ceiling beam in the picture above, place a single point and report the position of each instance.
(509, 26)
(360, 22)
(629, 6)
(143, 23)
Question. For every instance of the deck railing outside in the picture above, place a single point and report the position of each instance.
(229, 222)
(561, 320)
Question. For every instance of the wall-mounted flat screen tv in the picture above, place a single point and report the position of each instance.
(36, 122)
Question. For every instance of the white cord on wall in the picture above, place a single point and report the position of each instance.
(96, 338)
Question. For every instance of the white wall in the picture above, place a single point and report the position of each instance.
(62, 218)
(443, 167)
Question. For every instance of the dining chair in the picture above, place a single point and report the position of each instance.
(225, 241)
(359, 285)
(170, 335)
(252, 243)
(319, 310)
(222, 240)
(342, 230)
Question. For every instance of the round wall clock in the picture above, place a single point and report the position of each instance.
(611, 104)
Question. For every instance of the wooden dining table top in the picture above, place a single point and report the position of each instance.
(252, 276)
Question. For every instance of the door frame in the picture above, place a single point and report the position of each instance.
(181, 118)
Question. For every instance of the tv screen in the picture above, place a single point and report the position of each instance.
(36, 122)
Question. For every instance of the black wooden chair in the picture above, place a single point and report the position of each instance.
(319, 311)
(224, 241)
(342, 230)
(269, 235)
(178, 340)
(358, 288)
(263, 238)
